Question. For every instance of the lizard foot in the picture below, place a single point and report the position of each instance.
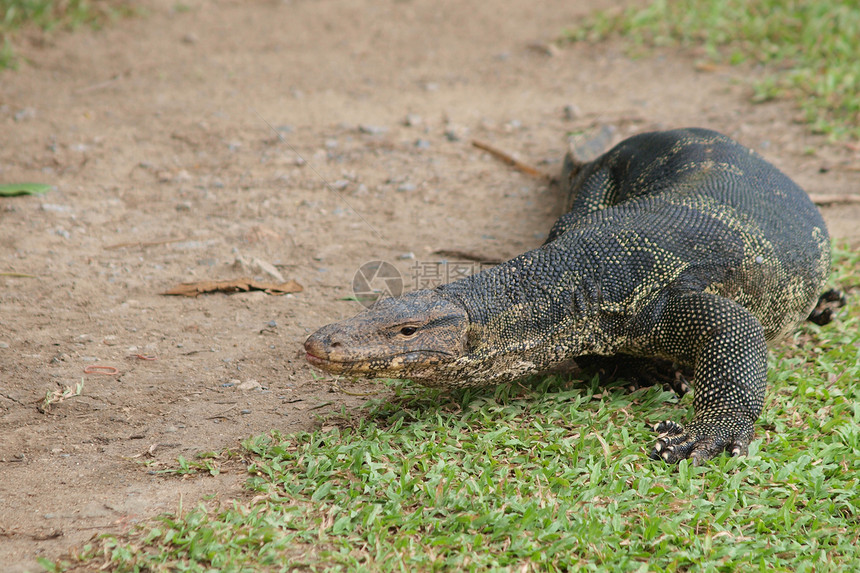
(700, 441)
(829, 302)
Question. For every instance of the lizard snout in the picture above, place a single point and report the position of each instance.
(318, 347)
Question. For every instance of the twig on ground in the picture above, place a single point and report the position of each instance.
(145, 243)
(511, 160)
(467, 256)
(831, 199)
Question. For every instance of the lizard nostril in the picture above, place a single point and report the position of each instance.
(335, 344)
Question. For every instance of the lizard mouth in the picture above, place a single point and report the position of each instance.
(335, 365)
(327, 363)
(379, 366)
(316, 360)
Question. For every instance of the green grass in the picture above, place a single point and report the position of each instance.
(550, 477)
(808, 50)
(52, 14)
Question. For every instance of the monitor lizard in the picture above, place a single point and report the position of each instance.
(679, 245)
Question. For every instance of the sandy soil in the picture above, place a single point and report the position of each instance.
(154, 132)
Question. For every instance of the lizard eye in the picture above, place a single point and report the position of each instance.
(408, 330)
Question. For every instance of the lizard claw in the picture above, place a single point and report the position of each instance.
(668, 428)
(698, 442)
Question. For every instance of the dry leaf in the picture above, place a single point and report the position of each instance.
(234, 285)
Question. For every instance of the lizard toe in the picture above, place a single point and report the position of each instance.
(668, 428)
(698, 442)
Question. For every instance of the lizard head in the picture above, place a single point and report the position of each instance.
(413, 336)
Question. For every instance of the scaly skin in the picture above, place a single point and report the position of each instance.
(680, 245)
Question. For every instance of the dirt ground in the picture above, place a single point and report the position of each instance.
(154, 132)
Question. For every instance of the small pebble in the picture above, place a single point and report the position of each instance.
(272, 324)
(406, 256)
(371, 129)
(422, 143)
(451, 135)
(248, 385)
(545, 49)
(3, 345)
(412, 120)
(245, 411)
(572, 111)
(405, 187)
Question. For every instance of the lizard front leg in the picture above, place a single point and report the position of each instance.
(725, 345)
